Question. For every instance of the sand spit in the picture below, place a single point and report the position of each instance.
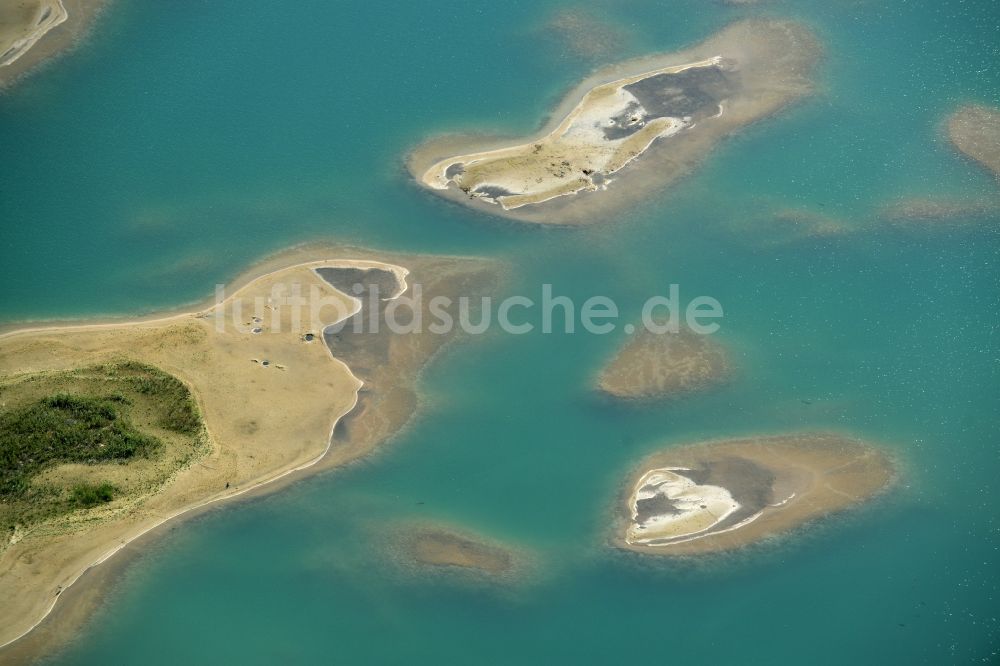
(32, 31)
(727, 494)
(653, 365)
(644, 122)
(445, 547)
(975, 131)
(274, 399)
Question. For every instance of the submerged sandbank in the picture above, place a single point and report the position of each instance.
(445, 547)
(663, 365)
(274, 399)
(726, 494)
(644, 122)
(940, 211)
(975, 131)
(32, 31)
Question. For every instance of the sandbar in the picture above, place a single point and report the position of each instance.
(721, 495)
(644, 122)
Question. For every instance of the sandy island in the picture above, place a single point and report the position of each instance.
(727, 494)
(975, 131)
(644, 122)
(276, 401)
(32, 31)
(653, 365)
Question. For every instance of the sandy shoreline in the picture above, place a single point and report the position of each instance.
(197, 488)
(67, 22)
(773, 61)
(21, 36)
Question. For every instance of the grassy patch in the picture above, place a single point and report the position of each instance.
(87, 495)
(125, 416)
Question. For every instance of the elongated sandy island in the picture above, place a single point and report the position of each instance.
(644, 123)
(278, 399)
(727, 494)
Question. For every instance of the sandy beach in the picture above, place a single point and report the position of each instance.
(273, 398)
(721, 495)
(620, 125)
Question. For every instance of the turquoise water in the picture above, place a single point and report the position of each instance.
(178, 145)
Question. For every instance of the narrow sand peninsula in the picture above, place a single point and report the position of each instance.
(727, 494)
(657, 116)
(446, 547)
(652, 365)
(32, 31)
(975, 131)
(277, 402)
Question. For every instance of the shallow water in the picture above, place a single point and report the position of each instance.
(177, 146)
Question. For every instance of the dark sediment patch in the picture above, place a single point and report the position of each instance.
(694, 92)
(345, 279)
(388, 362)
(492, 191)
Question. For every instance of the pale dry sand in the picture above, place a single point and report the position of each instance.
(653, 365)
(34, 31)
(768, 62)
(779, 483)
(975, 131)
(265, 423)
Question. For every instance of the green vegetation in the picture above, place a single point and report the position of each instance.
(125, 416)
(65, 428)
(87, 494)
